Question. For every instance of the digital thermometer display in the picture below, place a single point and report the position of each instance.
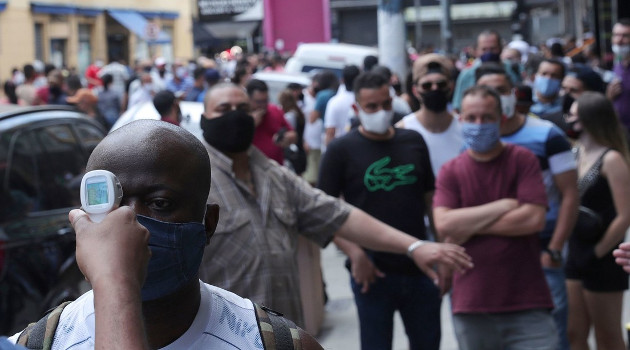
(97, 193)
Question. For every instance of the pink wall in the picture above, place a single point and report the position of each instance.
(296, 21)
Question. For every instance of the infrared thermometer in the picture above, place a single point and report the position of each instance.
(101, 192)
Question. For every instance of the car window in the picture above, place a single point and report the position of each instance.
(19, 175)
(89, 135)
(307, 69)
(60, 165)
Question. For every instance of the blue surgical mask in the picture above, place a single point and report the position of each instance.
(176, 252)
(547, 87)
(481, 137)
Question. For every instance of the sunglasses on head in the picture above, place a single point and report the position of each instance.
(441, 85)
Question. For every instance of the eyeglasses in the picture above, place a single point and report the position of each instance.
(441, 85)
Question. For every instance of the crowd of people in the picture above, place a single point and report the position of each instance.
(520, 157)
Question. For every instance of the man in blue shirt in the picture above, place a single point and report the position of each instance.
(488, 49)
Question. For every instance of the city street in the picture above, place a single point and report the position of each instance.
(341, 326)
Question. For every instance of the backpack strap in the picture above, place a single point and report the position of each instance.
(40, 335)
(278, 333)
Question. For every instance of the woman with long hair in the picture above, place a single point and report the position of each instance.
(295, 154)
(595, 284)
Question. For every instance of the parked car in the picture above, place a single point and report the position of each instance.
(43, 154)
(278, 81)
(191, 116)
(330, 56)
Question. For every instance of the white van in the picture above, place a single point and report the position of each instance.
(315, 56)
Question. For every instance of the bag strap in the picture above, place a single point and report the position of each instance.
(40, 335)
(278, 333)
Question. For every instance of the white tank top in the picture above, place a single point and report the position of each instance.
(442, 146)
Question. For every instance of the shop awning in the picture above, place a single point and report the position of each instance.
(138, 25)
(202, 37)
(159, 14)
(38, 7)
(231, 30)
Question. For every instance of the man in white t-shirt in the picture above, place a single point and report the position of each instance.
(165, 174)
(339, 109)
(433, 86)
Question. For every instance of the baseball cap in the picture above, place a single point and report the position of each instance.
(432, 63)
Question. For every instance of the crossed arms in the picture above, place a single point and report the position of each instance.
(503, 217)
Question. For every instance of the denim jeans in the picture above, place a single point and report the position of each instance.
(521, 330)
(415, 297)
(556, 281)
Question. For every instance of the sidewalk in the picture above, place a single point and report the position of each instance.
(340, 330)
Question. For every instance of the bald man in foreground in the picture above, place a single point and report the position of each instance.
(265, 206)
(165, 175)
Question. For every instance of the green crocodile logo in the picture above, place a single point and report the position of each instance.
(378, 177)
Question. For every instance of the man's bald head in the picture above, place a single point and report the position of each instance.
(158, 147)
(223, 98)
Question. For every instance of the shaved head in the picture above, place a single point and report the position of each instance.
(159, 148)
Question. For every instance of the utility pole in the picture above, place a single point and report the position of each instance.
(445, 26)
(418, 25)
(391, 36)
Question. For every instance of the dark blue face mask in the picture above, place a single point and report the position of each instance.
(490, 57)
(176, 252)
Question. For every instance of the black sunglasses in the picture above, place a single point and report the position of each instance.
(441, 85)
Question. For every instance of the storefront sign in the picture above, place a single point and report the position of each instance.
(212, 10)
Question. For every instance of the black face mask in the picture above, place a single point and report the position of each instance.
(398, 88)
(232, 132)
(435, 100)
(571, 132)
(567, 102)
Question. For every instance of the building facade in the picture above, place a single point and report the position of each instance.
(74, 33)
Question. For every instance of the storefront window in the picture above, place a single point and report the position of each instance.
(39, 41)
(167, 49)
(85, 47)
(58, 52)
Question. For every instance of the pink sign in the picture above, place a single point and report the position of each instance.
(290, 22)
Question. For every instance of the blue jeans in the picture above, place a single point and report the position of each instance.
(556, 281)
(415, 297)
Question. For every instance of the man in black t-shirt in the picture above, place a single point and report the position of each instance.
(387, 173)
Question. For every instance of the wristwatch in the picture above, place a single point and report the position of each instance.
(556, 255)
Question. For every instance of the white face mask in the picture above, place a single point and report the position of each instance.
(148, 87)
(508, 103)
(621, 51)
(377, 122)
(181, 72)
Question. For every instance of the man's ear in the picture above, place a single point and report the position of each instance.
(211, 220)
(414, 91)
(355, 108)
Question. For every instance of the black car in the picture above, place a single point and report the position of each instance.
(43, 154)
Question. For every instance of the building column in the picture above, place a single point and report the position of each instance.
(99, 38)
(72, 50)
